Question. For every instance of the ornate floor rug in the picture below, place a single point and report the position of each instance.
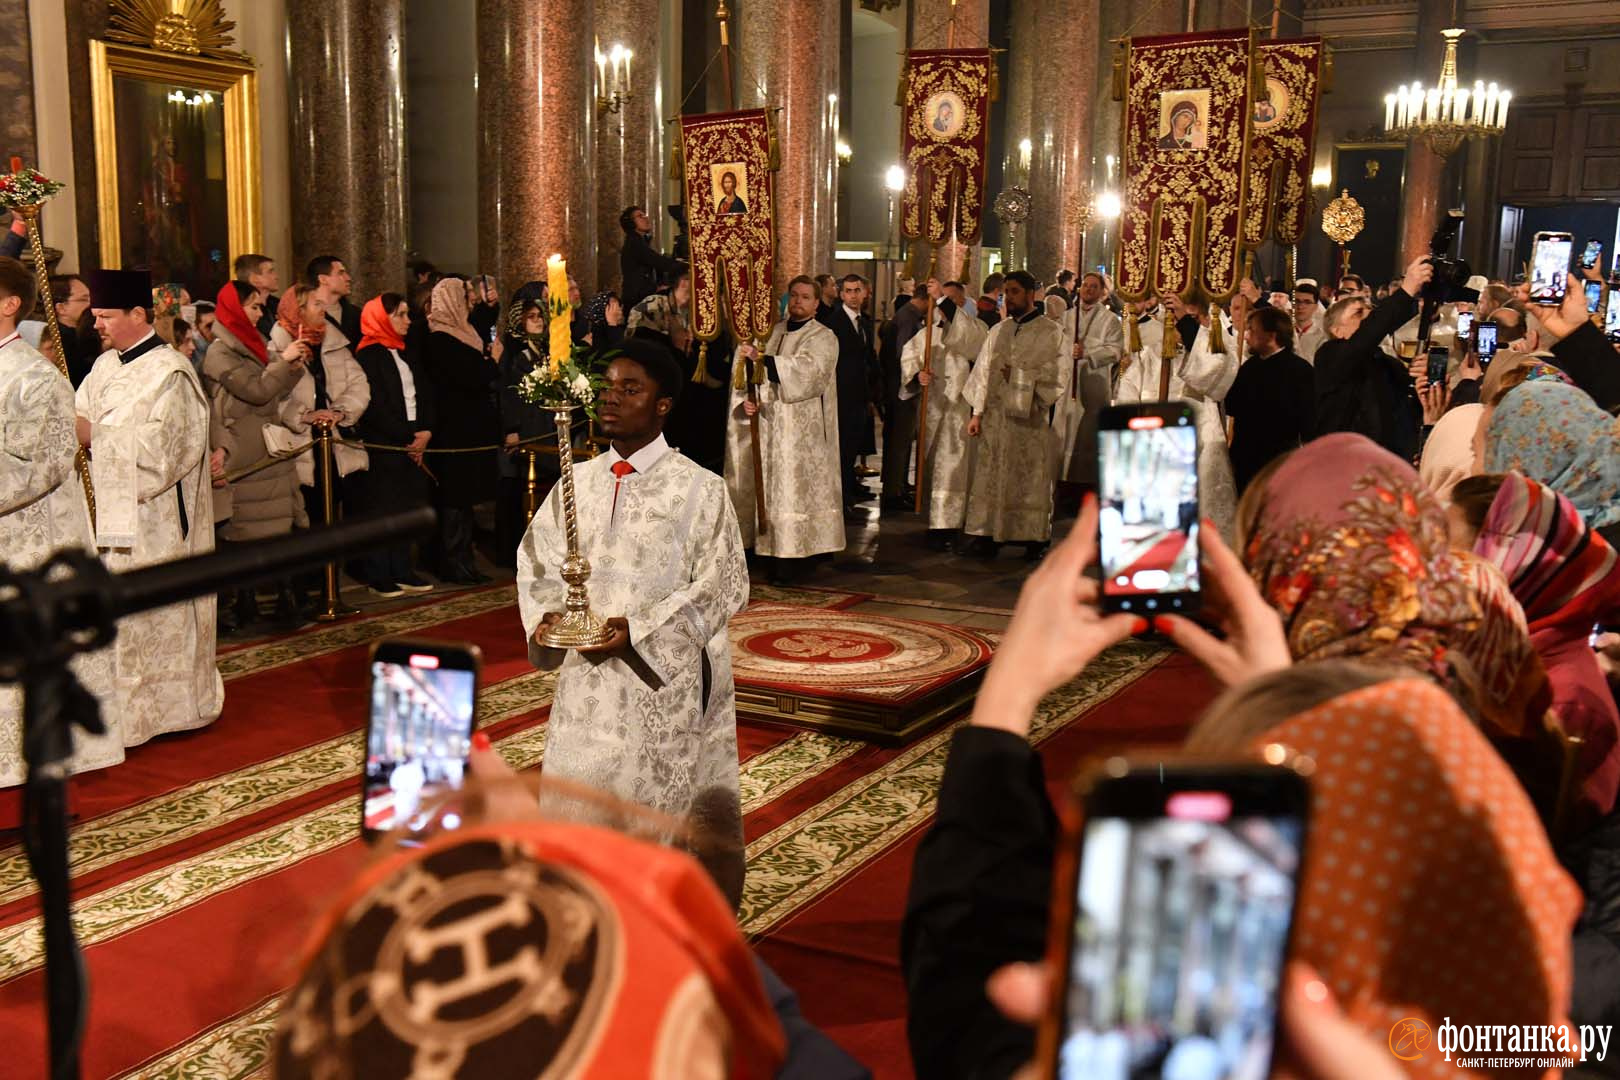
(849, 673)
(200, 863)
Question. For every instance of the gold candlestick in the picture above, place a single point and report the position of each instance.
(579, 627)
(42, 274)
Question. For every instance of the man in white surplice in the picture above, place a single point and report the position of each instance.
(1086, 373)
(144, 419)
(798, 438)
(1201, 375)
(650, 717)
(958, 335)
(1013, 384)
(42, 509)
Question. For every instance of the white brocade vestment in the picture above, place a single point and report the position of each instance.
(149, 457)
(656, 725)
(42, 511)
(1084, 388)
(798, 447)
(1202, 377)
(1012, 385)
(950, 452)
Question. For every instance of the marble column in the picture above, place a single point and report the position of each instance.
(1117, 20)
(536, 128)
(16, 85)
(346, 122)
(1062, 136)
(930, 29)
(630, 155)
(786, 57)
(1425, 169)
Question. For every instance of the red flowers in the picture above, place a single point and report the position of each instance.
(1404, 553)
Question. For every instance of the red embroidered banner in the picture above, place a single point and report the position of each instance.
(945, 124)
(1282, 142)
(1187, 111)
(727, 166)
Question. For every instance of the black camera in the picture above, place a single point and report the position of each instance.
(1450, 282)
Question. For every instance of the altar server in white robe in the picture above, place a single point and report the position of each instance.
(1086, 372)
(650, 717)
(42, 509)
(798, 438)
(1013, 384)
(143, 416)
(1201, 375)
(958, 335)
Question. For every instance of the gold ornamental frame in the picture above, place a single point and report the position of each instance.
(237, 81)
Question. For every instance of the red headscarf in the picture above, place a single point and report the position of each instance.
(376, 328)
(229, 314)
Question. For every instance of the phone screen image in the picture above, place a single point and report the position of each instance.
(1148, 513)
(1485, 342)
(1611, 318)
(1549, 269)
(1465, 323)
(1180, 933)
(1439, 361)
(419, 737)
(1594, 296)
(1591, 254)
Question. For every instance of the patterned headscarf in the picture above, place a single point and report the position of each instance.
(166, 299)
(1353, 551)
(1567, 578)
(530, 949)
(448, 315)
(1423, 845)
(1558, 435)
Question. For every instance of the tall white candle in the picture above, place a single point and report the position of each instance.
(1501, 108)
(1462, 105)
(1389, 111)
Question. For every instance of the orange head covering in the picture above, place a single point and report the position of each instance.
(376, 328)
(290, 314)
(1429, 888)
(531, 949)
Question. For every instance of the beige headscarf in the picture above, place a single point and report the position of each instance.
(1448, 456)
(448, 315)
(1055, 307)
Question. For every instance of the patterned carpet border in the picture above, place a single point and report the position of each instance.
(789, 868)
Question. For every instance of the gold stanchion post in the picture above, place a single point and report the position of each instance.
(333, 599)
(531, 485)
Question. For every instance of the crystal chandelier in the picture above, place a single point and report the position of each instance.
(1444, 115)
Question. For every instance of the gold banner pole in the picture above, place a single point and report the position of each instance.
(333, 598)
(42, 274)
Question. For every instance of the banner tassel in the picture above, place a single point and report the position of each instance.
(1169, 347)
(702, 362)
(1217, 340)
(1134, 332)
(677, 164)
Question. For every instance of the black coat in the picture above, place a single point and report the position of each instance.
(1270, 406)
(346, 318)
(465, 413)
(980, 890)
(857, 361)
(641, 268)
(1363, 389)
(396, 479)
(519, 417)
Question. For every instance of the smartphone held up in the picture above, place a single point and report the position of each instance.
(1175, 895)
(1148, 513)
(1550, 254)
(423, 699)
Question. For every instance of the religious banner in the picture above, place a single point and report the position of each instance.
(1282, 142)
(727, 163)
(945, 125)
(1187, 110)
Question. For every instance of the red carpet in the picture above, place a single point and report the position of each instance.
(201, 861)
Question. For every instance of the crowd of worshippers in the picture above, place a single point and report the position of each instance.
(1410, 584)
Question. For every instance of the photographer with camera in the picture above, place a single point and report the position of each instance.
(1361, 388)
